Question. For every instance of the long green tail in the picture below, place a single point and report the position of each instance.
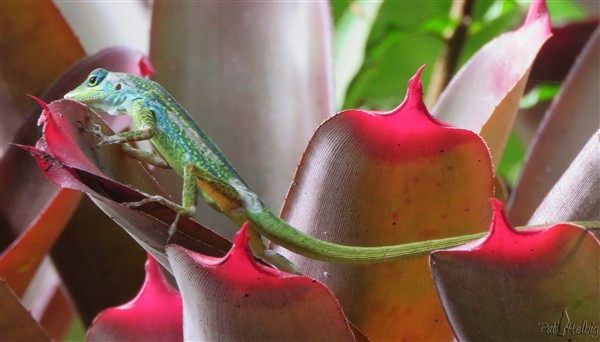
(280, 232)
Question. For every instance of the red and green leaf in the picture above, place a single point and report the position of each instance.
(374, 178)
(509, 283)
(236, 298)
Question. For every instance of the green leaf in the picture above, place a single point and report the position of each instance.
(405, 36)
(338, 7)
(512, 160)
(351, 33)
(541, 93)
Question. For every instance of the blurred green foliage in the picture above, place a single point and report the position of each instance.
(407, 34)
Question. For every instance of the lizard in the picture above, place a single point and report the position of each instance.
(181, 145)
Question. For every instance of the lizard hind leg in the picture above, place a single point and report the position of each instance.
(271, 257)
(225, 198)
(217, 193)
(189, 199)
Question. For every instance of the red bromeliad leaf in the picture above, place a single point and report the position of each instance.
(31, 31)
(25, 192)
(58, 314)
(564, 131)
(20, 261)
(260, 70)
(484, 95)
(236, 298)
(154, 315)
(66, 157)
(514, 285)
(372, 179)
(16, 323)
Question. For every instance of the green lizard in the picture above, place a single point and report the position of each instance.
(183, 146)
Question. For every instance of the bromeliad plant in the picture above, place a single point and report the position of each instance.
(366, 178)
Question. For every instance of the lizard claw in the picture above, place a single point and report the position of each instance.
(179, 210)
(173, 227)
(96, 129)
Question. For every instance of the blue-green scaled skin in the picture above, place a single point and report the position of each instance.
(184, 147)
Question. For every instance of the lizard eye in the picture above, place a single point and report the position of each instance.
(96, 77)
(92, 81)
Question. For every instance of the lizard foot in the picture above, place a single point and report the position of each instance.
(167, 203)
(280, 262)
(96, 129)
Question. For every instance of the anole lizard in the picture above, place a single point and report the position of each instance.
(183, 146)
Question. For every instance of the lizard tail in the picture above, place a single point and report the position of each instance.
(280, 232)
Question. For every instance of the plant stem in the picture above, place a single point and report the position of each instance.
(446, 65)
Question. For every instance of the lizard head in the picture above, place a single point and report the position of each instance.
(103, 90)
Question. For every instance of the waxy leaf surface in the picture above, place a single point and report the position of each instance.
(510, 284)
(563, 203)
(484, 95)
(374, 178)
(235, 298)
(155, 314)
(567, 126)
(258, 80)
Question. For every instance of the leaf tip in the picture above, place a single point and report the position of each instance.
(241, 238)
(415, 87)
(414, 94)
(45, 111)
(538, 9)
(499, 219)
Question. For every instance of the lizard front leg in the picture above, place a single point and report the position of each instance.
(144, 119)
(145, 156)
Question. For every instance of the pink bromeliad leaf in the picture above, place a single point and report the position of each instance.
(484, 95)
(514, 285)
(381, 178)
(155, 314)
(235, 298)
(64, 154)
